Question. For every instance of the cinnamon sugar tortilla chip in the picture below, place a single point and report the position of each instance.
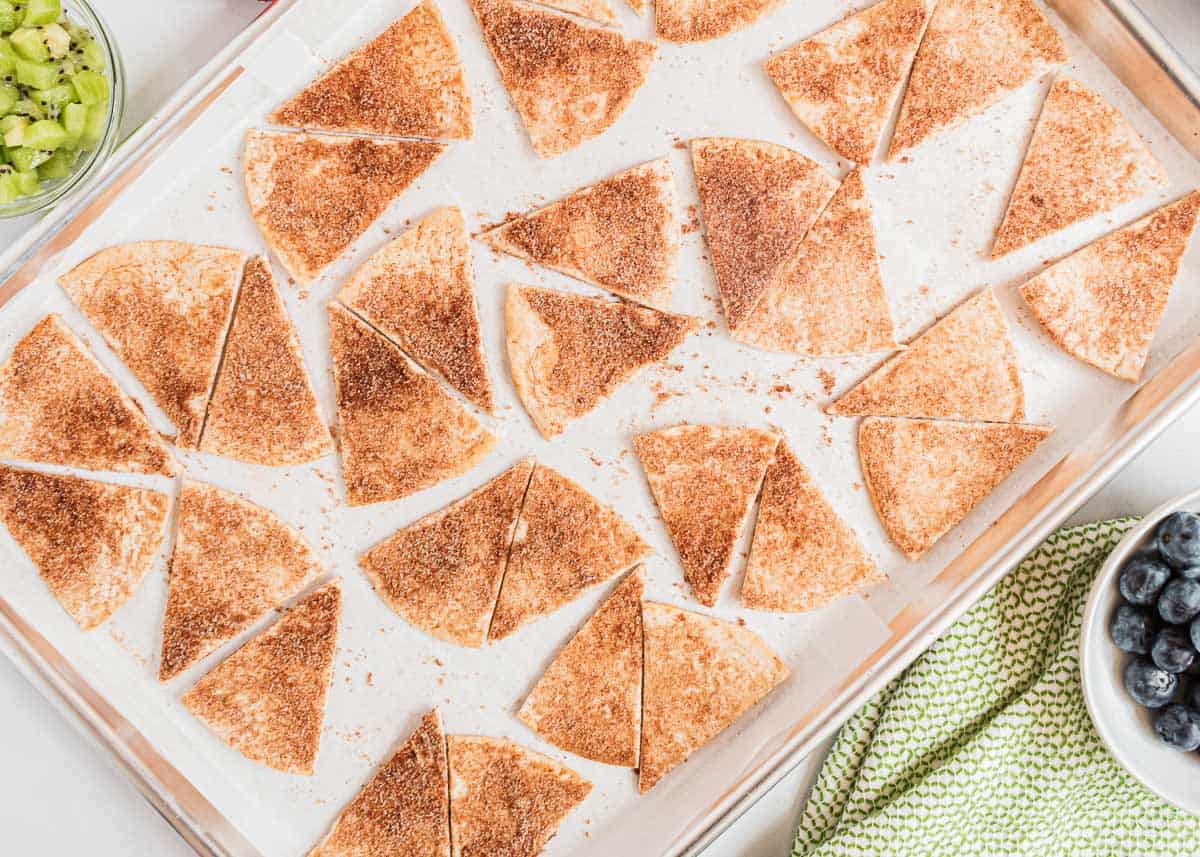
(267, 699)
(844, 82)
(59, 406)
(964, 367)
(705, 479)
(419, 291)
(803, 555)
(443, 572)
(589, 700)
(974, 53)
(233, 563)
(313, 195)
(164, 307)
(92, 542)
(406, 82)
(568, 81)
(701, 675)
(569, 353)
(1084, 159)
(827, 298)
(1103, 303)
(759, 200)
(621, 234)
(924, 476)
(704, 20)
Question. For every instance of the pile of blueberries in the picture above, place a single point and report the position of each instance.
(1159, 624)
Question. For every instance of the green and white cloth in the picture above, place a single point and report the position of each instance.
(983, 747)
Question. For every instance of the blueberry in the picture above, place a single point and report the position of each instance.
(1142, 578)
(1179, 727)
(1132, 629)
(1193, 695)
(1194, 631)
(1179, 601)
(1172, 650)
(1192, 572)
(1148, 685)
(1179, 539)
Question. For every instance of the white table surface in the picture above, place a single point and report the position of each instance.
(58, 796)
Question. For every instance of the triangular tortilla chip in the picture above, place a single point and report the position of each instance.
(267, 699)
(400, 432)
(567, 541)
(803, 555)
(1078, 135)
(569, 353)
(59, 406)
(702, 674)
(974, 53)
(759, 201)
(405, 809)
(620, 234)
(505, 800)
(964, 367)
(597, 10)
(828, 297)
(569, 82)
(589, 701)
(443, 572)
(263, 409)
(704, 480)
(419, 291)
(313, 195)
(92, 542)
(1102, 304)
(843, 83)
(406, 82)
(233, 563)
(925, 476)
(164, 307)
(704, 20)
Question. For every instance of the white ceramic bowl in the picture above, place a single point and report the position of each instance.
(1124, 726)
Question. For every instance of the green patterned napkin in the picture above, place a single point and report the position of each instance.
(983, 746)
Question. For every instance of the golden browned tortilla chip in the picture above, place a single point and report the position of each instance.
(400, 432)
(505, 800)
(59, 406)
(419, 291)
(621, 234)
(164, 307)
(567, 541)
(925, 476)
(313, 195)
(267, 699)
(443, 572)
(1084, 159)
(843, 83)
(263, 409)
(827, 298)
(233, 563)
(91, 542)
(597, 10)
(974, 53)
(589, 700)
(405, 809)
(406, 82)
(569, 353)
(705, 479)
(964, 367)
(569, 82)
(702, 674)
(1103, 303)
(759, 201)
(704, 20)
(803, 555)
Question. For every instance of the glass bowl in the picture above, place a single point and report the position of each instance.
(90, 161)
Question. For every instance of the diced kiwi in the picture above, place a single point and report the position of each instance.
(12, 130)
(41, 12)
(52, 100)
(96, 124)
(39, 75)
(8, 57)
(45, 134)
(91, 86)
(8, 17)
(27, 182)
(8, 186)
(9, 95)
(93, 55)
(59, 166)
(30, 44)
(57, 40)
(24, 158)
(74, 120)
(26, 107)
